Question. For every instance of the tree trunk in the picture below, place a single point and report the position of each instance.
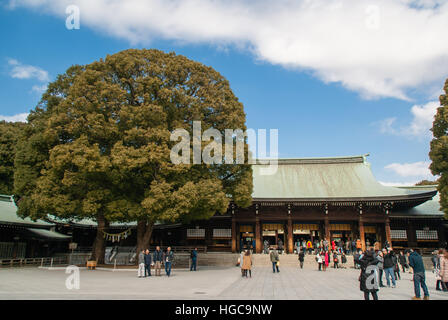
(99, 245)
(144, 232)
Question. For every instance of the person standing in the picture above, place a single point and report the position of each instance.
(343, 260)
(380, 259)
(274, 259)
(403, 262)
(148, 261)
(194, 258)
(335, 260)
(444, 270)
(168, 259)
(388, 266)
(157, 258)
(301, 258)
(266, 246)
(280, 245)
(247, 264)
(309, 246)
(418, 268)
(396, 266)
(369, 267)
(141, 264)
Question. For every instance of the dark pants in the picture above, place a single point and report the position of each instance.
(301, 264)
(245, 273)
(274, 266)
(193, 265)
(397, 273)
(168, 268)
(381, 278)
(147, 270)
(336, 265)
(374, 295)
(419, 281)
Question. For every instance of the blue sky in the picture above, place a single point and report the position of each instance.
(323, 103)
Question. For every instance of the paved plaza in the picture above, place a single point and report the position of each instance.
(206, 283)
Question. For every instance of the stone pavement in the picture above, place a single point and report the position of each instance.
(206, 283)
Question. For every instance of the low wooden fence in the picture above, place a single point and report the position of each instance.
(28, 262)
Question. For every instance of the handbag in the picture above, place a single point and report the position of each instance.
(278, 263)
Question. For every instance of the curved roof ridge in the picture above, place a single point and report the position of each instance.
(316, 160)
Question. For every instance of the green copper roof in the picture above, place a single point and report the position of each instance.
(322, 178)
(8, 214)
(430, 208)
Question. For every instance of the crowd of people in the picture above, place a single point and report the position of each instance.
(159, 258)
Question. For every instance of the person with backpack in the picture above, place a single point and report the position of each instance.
(343, 260)
(247, 264)
(301, 258)
(274, 259)
(194, 258)
(368, 278)
(335, 260)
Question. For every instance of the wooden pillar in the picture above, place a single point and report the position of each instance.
(412, 236)
(258, 245)
(290, 236)
(388, 233)
(234, 240)
(361, 233)
(327, 229)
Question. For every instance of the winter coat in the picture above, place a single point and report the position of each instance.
(148, 259)
(168, 256)
(380, 262)
(402, 259)
(416, 262)
(274, 256)
(157, 256)
(367, 259)
(141, 258)
(327, 259)
(388, 261)
(309, 245)
(247, 262)
(301, 256)
(444, 268)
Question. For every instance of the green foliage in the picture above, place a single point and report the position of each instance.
(9, 133)
(426, 183)
(99, 143)
(439, 149)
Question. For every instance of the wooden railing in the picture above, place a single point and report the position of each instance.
(47, 262)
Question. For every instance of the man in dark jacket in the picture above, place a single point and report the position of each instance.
(194, 258)
(418, 268)
(388, 266)
(148, 261)
(368, 279)
(158, 258)
(301, 257)
(168, 259)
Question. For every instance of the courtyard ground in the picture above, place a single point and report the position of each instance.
(206, 283)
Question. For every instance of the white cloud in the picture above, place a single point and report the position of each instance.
(39, 89)
(21, 117)
(385, 48)
(415, 169)
(420, 125)
(23, 71)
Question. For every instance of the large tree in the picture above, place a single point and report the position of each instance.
(9, 133)
(98, 144)
(439, 149)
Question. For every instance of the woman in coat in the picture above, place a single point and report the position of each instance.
(368, 259)
(247, 264)
(444, 269)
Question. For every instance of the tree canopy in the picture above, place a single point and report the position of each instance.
(439, 149)
(9, 133)
(98, 144)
